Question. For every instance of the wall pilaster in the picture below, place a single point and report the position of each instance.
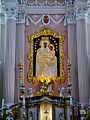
(83, 65)
(2, 40)
(72, 53)
(9, 53)
(20, 45)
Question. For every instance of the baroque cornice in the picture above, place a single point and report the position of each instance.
(45, 7)
(56, 8)
(45, 3)
(73, 10)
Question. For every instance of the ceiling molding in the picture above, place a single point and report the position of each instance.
(43, 9)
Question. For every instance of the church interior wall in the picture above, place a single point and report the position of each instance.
(31, 29)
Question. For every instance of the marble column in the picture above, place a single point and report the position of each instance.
(0, 69)
(9, 56)
(2, 39)
(72, 53)
(20, 43)
(83, 74)
(88, 42)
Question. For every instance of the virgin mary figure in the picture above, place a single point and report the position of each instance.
(46, 62)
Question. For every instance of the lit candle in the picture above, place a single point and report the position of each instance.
(23, 101)
(70, 100)
(68, 61)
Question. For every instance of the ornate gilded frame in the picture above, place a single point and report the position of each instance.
(46, 31)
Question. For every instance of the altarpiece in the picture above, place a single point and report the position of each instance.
(46, 63)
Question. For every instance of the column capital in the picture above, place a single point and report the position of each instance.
(21, 17)
(81, 13)
(2, 18)
(71, 18)
(9, 9)
(81, 9)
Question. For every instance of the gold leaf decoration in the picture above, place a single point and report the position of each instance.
(46, 31)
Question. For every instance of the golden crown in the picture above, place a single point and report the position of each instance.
(51, 45)
(45, 38)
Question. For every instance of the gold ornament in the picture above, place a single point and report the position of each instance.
(45, 32)
(45, 38)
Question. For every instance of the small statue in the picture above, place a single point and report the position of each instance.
(62, 91)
